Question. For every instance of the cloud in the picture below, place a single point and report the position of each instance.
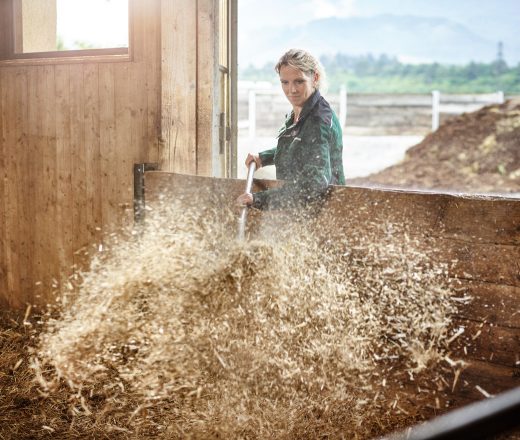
(332, 8)
(255, 15)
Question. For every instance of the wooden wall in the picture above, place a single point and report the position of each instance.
(71, 130)
(189, 89)
(477, 237)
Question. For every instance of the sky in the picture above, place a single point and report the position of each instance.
(254, 14)
(102, 22)
(493, 20)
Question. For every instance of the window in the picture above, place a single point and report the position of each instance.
(62, 28)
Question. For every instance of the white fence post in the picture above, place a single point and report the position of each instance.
(252, 113)
(343, 105)
(436, 100)
(500, 97)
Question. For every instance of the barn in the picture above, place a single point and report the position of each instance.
(92, 139)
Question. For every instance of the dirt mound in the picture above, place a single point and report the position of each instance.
(474, 152)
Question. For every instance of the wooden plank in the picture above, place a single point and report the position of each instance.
(33, 199)
(193, 189)
(431, 398)
(497, 264)
(80, 237)
(6, 29)
(167, 76)
(15, 92)
(92, 154)
(64, 188)
(123, 166)
(46, 228)
(138, 101)
(195, 192)
(179, 85)
(487, 342)
(492, 303)
(491, 378)
(469, 218)
(152, 41)
(481, 240)
(206, 85)
(107, 134)
(482, 220)
(27, 191)
(3, 191)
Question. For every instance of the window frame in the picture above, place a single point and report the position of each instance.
(8, 41)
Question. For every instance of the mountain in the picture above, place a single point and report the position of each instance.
(410, 38)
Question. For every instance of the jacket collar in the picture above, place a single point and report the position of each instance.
(307, 107)
(309, 104)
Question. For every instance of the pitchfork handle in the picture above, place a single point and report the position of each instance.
(243, 214)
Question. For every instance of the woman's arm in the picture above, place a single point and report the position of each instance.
(267, 157)
(312, 171)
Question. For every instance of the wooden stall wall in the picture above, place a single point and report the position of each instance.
(71, 131)
(476, 238)
(189, 92)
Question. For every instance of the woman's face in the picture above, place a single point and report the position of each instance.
(297, 85)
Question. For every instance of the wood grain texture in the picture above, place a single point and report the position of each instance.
(207, 70)
(179, 80)
(3, 218)
(487, 342)
(70, 133)
(486, 268)
(491, 303)
(72, 129)
(188, 92)
(64, 169)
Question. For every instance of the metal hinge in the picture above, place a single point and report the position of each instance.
(224, 133)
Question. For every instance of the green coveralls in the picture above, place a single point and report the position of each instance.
(308, 157)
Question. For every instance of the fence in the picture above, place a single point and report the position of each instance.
(261, 108)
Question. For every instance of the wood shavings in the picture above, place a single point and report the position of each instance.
(252, 337)
(483, 391)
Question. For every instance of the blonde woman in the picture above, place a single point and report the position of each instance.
(308, 155)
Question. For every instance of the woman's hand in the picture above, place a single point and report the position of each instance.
(254, 157)
(245, 199)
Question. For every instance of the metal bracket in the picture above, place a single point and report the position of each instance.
(139, 188)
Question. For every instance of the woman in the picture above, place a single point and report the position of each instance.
(309, 151)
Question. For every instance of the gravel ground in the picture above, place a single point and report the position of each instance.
(362, 155)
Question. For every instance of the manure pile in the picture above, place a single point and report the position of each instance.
(180, 331)
(474, 152)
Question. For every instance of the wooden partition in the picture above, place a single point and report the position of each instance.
(477, 237)
(72, 127)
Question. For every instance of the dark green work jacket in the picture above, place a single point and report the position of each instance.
(308, 157)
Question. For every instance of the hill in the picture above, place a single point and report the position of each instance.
(411, 38)
(474, 152)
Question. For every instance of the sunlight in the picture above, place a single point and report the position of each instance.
(92, 24)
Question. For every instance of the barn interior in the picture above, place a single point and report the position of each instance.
(129, 308)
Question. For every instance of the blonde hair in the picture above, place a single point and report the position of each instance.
(304, 61)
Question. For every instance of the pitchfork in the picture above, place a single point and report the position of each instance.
(243, 213)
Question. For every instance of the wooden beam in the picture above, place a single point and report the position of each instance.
(6, 29)
(179, 85)
(207, 70)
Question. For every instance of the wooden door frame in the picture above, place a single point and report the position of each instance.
(233, 77)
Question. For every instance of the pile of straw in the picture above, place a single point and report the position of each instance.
(287, 335)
